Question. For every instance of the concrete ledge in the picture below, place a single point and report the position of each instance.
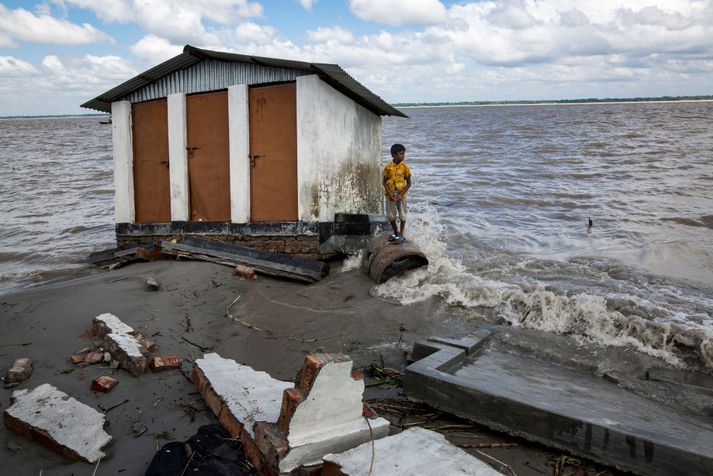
(562, 407)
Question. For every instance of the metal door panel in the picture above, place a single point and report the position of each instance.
(273, 152)
(208, 156)
(152, 196)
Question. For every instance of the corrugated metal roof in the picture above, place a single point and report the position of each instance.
(332, 74)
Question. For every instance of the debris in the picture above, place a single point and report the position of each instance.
(58, 421)
(107, 357)
(200, 347)
(272, 264)
(19, 371)
(138, 429)
(322, 414)
(114, 266)
(93, 357)
(243, 272)
(149, 344)
(120, 341)
(113, 406)
(414, 451)
(152, 284)
(14, 447)
(103, 384)
(166, 362)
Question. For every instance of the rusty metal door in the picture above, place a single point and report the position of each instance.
(208, 156)
(273, 153)
(152, 196)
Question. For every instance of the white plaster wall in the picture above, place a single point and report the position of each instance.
(338, 151)
(239, 138)
(178, 157)
(122, 143)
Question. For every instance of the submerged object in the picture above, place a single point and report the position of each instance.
(387, 259)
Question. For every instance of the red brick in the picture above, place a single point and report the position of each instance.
(290, 399)
(77, 359)
(313, 363)
(357, 374)
(149, 344)
(368, 412)
(228, 421)
(199, 379)
(271, 442)
(331, 469)
(244, 271)
(94, 357)
(103, 384)
(166, 362)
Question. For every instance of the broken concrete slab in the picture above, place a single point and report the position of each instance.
(238, 395)
(152, 284)
(19, 371)
(265, 262)
(58, 421)
(329, 418)
(564, 407)
(414, 451)
(122, 342)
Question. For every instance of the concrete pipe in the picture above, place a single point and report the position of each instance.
(387, 259)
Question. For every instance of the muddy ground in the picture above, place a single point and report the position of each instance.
(275, 324)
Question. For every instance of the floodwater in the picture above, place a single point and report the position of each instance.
(501, 202)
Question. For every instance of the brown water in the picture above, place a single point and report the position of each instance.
(501, 201)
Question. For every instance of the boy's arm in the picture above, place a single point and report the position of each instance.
(385, 184)
(408, 185)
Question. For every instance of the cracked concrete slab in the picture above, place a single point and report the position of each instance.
(58, 421)
(563, 406)
(414, 451)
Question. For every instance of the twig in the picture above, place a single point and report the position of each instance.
(203, 349)
(22, 344)
(494, 459)
(188, 463)
(247, 324)
(316, 339)
(227, 309)
(373, 449)
(489, 445)
(96, 467)
(156, 402)
(113, 406)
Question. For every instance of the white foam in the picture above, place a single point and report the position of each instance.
(352, 262)
(657, 331)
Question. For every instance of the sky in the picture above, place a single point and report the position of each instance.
(57, 54)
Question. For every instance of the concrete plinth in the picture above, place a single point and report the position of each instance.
(414, 451)
(560, 406)
(58, 421)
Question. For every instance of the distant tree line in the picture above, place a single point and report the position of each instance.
(558, 101)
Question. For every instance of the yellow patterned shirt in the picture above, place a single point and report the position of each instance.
(396, 176)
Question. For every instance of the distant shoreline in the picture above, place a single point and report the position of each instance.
(573, 102)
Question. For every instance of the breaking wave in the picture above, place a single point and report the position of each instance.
(681, 336)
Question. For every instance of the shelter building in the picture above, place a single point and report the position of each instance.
(261, 151)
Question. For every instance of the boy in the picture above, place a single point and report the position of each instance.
(397, 181)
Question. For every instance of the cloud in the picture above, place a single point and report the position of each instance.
(23, 25)
(399, 12)
(153, 49)
(324, 34)
(307, 4)
(86, 73)
(149, 13)
(13, 67)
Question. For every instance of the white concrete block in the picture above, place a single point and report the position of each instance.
(250, 395)
(414, 451)
(70, 427)
(111, 324)
(330, 418)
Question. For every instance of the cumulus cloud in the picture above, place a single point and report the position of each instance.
(399, 12)
(86, 73)
(13, 67)
(21, 24)
(307, 4)
(324, 34)
(153, 49)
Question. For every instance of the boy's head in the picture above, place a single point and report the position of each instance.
(398, 152)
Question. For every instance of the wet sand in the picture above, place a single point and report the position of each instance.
(289, 320)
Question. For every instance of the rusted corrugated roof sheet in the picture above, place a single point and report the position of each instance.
(332, 74)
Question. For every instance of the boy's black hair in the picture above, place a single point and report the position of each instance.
(396, 148)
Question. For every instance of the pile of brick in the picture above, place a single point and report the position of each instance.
(282, 425)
